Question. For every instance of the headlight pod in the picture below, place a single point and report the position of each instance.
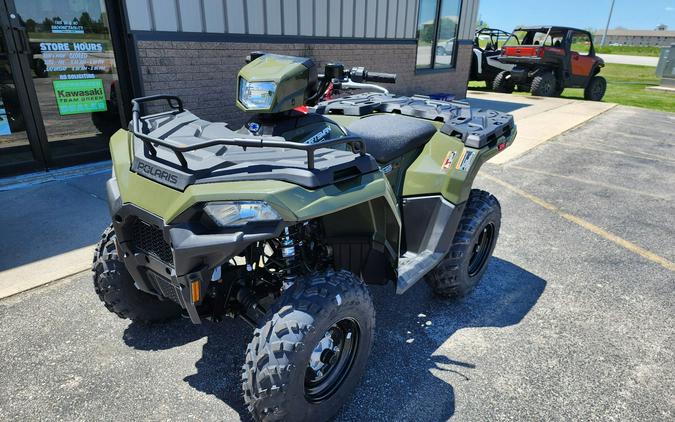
(256, 95)
(234, 214)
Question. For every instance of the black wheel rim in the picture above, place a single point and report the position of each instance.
(331, 360)
(480, 251)
(548, 88)
(597, 90)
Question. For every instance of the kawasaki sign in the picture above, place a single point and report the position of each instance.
(79, 96)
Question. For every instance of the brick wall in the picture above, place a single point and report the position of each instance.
(204, 74)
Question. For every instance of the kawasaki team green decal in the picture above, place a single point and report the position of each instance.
(79, 96)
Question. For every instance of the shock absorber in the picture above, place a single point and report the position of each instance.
(288, 254)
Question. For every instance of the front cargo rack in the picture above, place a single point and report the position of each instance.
(176, 104)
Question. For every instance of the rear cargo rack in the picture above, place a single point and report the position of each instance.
(176, 104)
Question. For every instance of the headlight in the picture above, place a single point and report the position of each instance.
(232, 214)
(256, 95)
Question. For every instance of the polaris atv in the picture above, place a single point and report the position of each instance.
(548, 59)
(285, 222)
(486, 49)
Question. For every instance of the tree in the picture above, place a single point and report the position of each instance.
(85, 21)
(47, 24)
(427, 33)
(31, 25)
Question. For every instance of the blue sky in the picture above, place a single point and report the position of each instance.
(631, 14)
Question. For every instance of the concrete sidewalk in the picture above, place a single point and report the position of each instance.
(538, 118)
(48, 225)
(50, 222)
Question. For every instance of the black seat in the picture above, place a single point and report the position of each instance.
(388, 136)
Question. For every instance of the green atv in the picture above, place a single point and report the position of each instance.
(284, 222)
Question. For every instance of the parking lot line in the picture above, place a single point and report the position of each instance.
(604, 149)
(632, 247)
(591, 182)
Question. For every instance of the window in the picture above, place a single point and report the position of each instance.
(581, 43)
(437, 27)
(544, 37)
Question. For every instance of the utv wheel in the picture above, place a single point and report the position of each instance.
(464, 265)
(544, 85)
(115, 287)
(305, 361)
(503, 82)
(596, 89)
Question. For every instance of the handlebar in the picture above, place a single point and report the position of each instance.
(385, 78)
(357, 74)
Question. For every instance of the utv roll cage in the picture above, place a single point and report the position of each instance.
(547, 30)
(176, 104)
(493, 35)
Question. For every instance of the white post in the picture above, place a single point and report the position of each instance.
(609, 18)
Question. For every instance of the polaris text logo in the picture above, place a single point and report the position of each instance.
(157, 173)
(319, 136)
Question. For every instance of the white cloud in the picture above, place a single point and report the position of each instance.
(669, 9)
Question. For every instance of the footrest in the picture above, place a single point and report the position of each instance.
(412, 267)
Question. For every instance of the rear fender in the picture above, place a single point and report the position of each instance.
(447, 167)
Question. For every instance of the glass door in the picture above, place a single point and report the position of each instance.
(17, 128)
(73, 75)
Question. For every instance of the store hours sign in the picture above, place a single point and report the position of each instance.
(79, 96)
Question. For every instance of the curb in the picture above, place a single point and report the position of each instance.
(32, 179)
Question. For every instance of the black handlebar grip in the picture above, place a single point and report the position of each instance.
(385, 78)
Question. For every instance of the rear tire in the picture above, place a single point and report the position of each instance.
(464, 265)
(115, 287)
(489, 82)
(306, 360)
(596, 89)
(503, 82)
(544, 85)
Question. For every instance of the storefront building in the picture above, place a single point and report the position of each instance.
(68, 68)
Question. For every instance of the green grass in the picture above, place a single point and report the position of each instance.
(630, 50)
(625, 85)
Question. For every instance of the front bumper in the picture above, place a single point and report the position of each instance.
(164, 259)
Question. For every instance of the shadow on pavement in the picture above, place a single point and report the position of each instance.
(405, 363)
(50, 219)
(503, 106)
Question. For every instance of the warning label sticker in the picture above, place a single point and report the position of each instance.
(449, 158)
(464, 163)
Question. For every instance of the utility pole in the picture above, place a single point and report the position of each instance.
(609, 18)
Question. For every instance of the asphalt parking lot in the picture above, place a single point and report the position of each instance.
(574, 319)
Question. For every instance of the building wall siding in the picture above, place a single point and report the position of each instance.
(384, 19)
(204, 74)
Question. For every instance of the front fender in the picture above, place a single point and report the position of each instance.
(293, 202)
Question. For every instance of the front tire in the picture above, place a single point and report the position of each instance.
(306, 360)
(503, 82)
(115, 287)
(464, 265)
(596, 89)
